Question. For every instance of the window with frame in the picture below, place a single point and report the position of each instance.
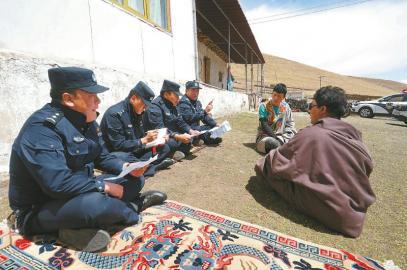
(154, 11)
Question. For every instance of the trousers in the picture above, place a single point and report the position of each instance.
(87, 210)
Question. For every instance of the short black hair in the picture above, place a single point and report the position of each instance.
(280, 88)
(56, 95)
(334, 98)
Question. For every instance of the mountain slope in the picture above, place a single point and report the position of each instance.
(297, 75)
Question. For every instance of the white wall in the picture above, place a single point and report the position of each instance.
(217, 65)
(122, 49)
(98, 32)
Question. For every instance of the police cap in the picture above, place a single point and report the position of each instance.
(170, 86)
(193, 85)
(144, 92)
(70, 78)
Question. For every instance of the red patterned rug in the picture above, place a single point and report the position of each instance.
(177, 236)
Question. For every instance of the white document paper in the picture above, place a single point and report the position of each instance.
(219, 131)
(200, 133)
(132, 167)
(160, 138)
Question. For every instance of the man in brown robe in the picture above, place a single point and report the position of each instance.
(324, 169)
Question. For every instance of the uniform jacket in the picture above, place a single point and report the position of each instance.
(161, 113)
(122, 129)
(192, 113)
(53, 158)
(324, 171)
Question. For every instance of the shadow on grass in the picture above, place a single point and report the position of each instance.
(398, 125)
(191, 157)
(270, 199)
(251, 146)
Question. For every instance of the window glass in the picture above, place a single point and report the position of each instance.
(396, 98)
(137, 5)
(158, 12)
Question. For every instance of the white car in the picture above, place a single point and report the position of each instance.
(400, 113)
(381, 106)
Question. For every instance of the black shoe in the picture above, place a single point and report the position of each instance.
(148, 199)
(89, 240)
(214, 141)
(165, 164)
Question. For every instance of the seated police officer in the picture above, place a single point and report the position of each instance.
(163, 113)
(52, 184)
(123, 130)
(192, 112)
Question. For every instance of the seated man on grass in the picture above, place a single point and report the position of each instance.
(192, 112)
(324, 169)
(53, 188)
(276, 124)
(124, 133)
(163, 113)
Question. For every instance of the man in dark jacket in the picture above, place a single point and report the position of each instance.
(324, 169)
(52, 183)
(163, 113)
(192, 112)
(123, 130)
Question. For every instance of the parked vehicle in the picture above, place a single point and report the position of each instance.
(381, 106)
(400, 113)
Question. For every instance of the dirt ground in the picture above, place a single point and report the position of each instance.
(221, 179)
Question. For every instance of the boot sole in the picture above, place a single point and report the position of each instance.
(99, 240)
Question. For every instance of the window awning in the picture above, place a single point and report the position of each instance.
(213, 18)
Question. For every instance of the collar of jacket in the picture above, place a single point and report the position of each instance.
(77, 119)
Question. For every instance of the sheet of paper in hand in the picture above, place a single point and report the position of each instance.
(160, 138)
(219, 131)
(133, 166)
(200, 133)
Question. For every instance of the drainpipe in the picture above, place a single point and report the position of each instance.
(195, 41)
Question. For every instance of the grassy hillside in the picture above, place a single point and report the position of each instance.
(298, 75)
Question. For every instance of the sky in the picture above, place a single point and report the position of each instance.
(368, 39)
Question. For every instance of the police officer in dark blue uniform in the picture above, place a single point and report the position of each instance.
(124, 133)
(163, 113)
(52, 183)
(192, 112)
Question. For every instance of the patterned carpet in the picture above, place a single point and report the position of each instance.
(177, 236)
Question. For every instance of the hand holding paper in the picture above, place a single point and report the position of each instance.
(160, 139)
(133, 166)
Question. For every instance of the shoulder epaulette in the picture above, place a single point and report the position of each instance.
(53, 119)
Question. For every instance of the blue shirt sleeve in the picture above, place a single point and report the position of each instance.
(114, 134)
(43, 156)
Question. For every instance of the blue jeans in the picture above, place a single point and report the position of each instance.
(179, 146)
